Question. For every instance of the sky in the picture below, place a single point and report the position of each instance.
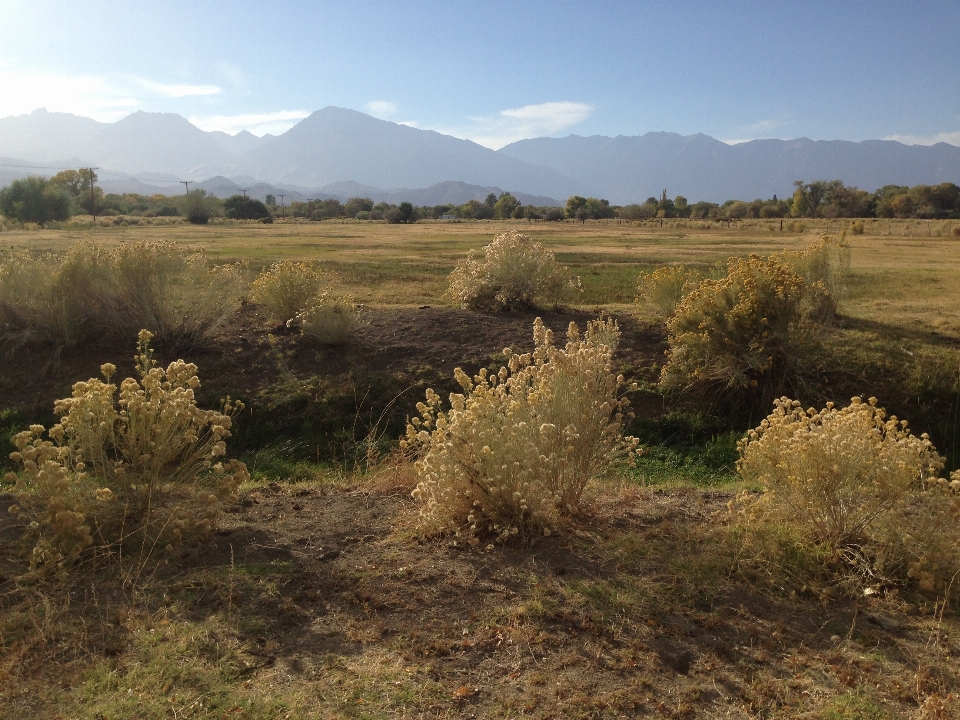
(497, 71)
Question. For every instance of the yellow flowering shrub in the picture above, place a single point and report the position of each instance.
(288, 287)
(854, 479)
(147, 459)
(516, 449)
(329, 319)
(743, 331)
(664, 288)
(514, 272)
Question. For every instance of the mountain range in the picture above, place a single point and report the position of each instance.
(344, 153)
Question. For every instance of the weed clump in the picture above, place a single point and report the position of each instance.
(514, 273)
(287, 287)
(329, 319)
(149, 462)
(515, 451)
(860, 483)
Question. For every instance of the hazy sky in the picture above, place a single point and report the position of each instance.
(498, 71)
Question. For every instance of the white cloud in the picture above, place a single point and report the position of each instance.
(87, 95)
(176, 90)
(953, 138)
(521, 123)
(381, 108)
(274, 123)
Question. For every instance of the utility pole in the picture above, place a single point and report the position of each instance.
(187, 184)
(282, 210)
(243, 206)
(93, 197)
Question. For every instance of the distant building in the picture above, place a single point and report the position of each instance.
(448, 217)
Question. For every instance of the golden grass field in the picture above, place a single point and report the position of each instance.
(905, 272)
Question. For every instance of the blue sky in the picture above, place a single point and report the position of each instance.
(497, 71)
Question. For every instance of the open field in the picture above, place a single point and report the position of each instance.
(906, 274)
(317, 598)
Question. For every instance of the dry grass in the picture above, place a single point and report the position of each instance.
(904, 272)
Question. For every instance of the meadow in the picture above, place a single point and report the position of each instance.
(316, 596)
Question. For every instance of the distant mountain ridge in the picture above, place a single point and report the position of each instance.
(338, 153)
(629, 169)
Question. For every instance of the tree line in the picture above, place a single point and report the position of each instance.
(73, 192)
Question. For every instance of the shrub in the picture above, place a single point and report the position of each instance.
(329, 319)
(663, 288)
(157, 285)
(747, 330)
(515, 451)
(857, 227)
(149, 461)
(858, 482)
(172, 292)
(51, 299)
(515, 272)
(198, 207)
(288, 287)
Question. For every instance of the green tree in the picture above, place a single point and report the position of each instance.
(574, 204)
(407, 213)
(357, 204)
(34, 199)
(198, 207)
(505, 206)
(245, 208)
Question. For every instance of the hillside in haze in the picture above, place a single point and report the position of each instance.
(338, 153)
(624, 169)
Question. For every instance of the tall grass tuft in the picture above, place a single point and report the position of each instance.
(664, 288)
(515, 451)
(62, 300)
(173, 293)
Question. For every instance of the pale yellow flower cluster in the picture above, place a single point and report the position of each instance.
(515, 451)
(113, 462)
(854, 477)
(514, 272)
(736, 331)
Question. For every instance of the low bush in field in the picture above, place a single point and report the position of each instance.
(329, 319)
(62, 300)
(172, 292)
(664, 288)
(859, 483)
(515, 272)
(745, 335)
(515, 451)
(56, 300)
(148, 461)
(287, 287)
